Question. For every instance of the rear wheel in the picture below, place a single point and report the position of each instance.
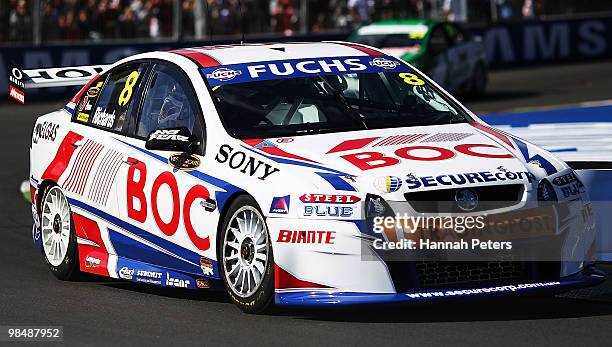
(246, 257)
(58, 234)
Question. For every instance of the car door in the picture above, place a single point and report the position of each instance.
(101, 117)
(167, 200)
(458, 56)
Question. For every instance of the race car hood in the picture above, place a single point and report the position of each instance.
(386, 161)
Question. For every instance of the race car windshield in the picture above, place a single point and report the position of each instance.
(324, 103)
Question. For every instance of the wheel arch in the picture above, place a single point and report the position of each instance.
(223, 214)
(42, 188)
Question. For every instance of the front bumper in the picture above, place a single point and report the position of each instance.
(347, 271)
(584, 278)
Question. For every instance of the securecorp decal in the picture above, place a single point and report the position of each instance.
(468, 178)
(279, 69)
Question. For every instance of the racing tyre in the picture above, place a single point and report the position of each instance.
(479, 82)
(246, 257)
(58, 234)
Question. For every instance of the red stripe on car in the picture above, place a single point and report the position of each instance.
(204, 60)
(366, 50)
(93, 256)
(273, 150)
(64, 153)
(493, 132)
(352, 144)
(284, 280)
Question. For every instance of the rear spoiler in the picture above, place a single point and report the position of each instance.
(61, 76)
(50, 77)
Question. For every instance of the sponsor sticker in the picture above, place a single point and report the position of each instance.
(83, 103)
(328, 211)
(83, 117)
(176, 282)
(103, 119)
(280, 204)
(16, 85)
(388, 184)
(306, 236)
(168, 135)
(280, 69)
(223, 74)
(91, 262)
(330, 198)
(93, 91)
(17, 94)
(468, 178)
(202, 283)
(385, 63)
(206, 266)
(243, 162)
(184, 161)
(149, 277)
(150, 274)
(45, 131)
(126, 273)
(565, 179)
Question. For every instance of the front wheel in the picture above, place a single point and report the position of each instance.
(246, 257)
(58, 234)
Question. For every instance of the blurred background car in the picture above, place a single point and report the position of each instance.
(444, 51)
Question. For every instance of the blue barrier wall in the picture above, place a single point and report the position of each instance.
(552, 41)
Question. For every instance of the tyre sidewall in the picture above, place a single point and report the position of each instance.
(262, 299)
(68, 268)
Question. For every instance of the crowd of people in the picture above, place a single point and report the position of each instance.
(128, 19)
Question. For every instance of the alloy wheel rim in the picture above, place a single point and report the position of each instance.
(245, 251)
(55, 226)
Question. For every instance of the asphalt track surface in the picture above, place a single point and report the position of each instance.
(104, 312)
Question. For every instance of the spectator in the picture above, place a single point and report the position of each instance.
(20, 23)
(454, 10)
(285, 17)
(127, 23)
(114, 19)
(50, 23)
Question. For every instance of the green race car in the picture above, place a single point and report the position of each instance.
(445, 52)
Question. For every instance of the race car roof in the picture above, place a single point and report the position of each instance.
(251, 53)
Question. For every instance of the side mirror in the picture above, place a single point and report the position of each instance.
(172, 139)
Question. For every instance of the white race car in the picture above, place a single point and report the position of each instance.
(259, 169)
